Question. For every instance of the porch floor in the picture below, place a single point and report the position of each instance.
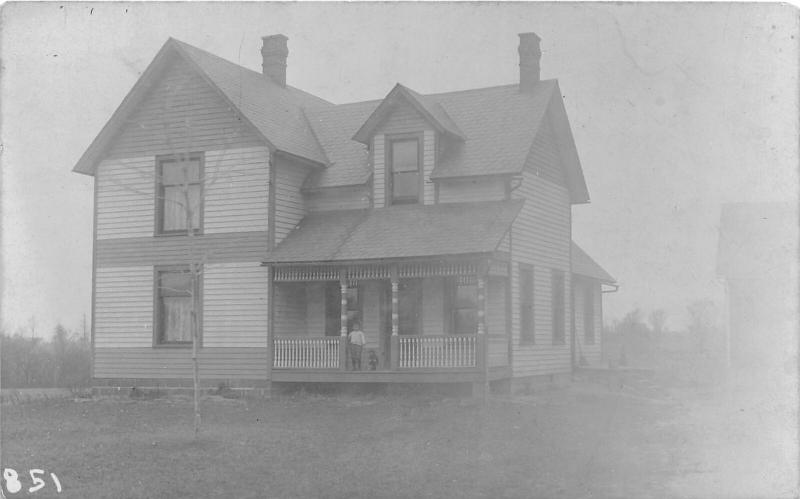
(470, 375)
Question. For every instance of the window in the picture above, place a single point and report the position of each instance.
(404, 171)
(174, 293)
(333, 308)
(588, 314)
(409, 306)
(179, 194)
(464, 305)
(557, 300)
(526, 325)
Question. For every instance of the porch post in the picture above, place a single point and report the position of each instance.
(394, 345)
(482, 343)
(343, 319)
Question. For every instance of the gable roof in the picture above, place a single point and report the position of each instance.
(491, 130)
(584, 265)
(398, 232)
(495, 128)
(757, 240)
(274, 112)
(431, 110)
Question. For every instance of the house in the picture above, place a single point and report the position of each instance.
(440, 222)
(757, 262)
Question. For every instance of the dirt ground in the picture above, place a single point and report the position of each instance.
(591, 439)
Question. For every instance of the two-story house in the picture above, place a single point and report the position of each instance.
(440, 222)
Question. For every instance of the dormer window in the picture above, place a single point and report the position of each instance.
(404, 175)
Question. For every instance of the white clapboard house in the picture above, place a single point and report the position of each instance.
(441, 222)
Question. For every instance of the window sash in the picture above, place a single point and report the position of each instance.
(526, 304)
(557, 286)
(588, 315)
(174, 294)
(177, 179)
(404, 171)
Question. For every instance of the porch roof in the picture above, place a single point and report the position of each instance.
(584, 265)
(398, 232)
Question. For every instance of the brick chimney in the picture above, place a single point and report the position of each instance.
(529, 56)
(273, 54)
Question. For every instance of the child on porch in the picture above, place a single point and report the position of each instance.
(356, 341)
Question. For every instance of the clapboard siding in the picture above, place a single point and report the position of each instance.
(235, 305)
(379, 170)
(403, 119)
(182, 113)
(541, 237)
(544, 160)
(290, 310)
(236, 192)
(338, 198)
(472, 190)
(125, 197)
(433, 306)
(591, 352)
(124, 307)
(289, 204)
(428, 163)
(496, 322)
(236, 246)
(176, 363)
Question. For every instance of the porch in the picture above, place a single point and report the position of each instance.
(424, 321)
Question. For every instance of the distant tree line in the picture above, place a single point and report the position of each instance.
(695, 353)
(27, 361)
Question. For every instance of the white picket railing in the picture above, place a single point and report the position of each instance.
(437, 351)
(306, 353)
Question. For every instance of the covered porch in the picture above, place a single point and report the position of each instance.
(428, 283)
(434, 320)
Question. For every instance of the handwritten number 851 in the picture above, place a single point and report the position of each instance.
(13, 485)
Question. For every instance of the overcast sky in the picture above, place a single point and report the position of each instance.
(675, 109)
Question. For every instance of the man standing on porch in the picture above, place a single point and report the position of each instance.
(356, 340)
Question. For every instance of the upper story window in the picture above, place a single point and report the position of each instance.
(404, 170)
(179, 204)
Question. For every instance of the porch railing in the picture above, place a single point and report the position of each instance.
(437, 351)
(307, 353)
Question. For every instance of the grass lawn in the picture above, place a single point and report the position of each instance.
(576, 442)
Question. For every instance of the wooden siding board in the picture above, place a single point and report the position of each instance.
(236, 192)
(125, 199)
(541, 237)
(235, 305)
(289, 203)
(428, 163)
(379, 170)
(221, 247)
(182, 113)
(496, 322)
(152, 363)
(124, 307)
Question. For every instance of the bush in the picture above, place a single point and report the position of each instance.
(63, 362)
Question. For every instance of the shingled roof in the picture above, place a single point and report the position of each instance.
(584, 265)
(398, 232)
(491, 129)
(275, 112)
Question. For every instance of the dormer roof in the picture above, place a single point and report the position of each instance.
(431, 110)
(490, 130)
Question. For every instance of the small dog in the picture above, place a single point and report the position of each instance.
(372, 361)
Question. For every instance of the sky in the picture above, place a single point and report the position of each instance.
(675, 109)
